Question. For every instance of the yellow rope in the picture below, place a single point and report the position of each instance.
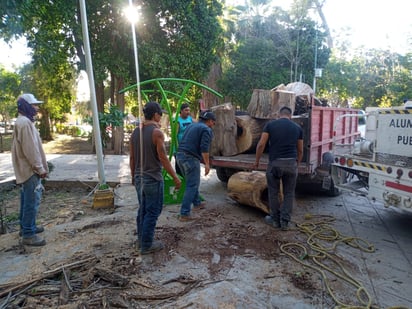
(319, 232)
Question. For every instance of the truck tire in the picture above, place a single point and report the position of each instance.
(333, 191)
(223, 173)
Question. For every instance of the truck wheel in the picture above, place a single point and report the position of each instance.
(333, 191)
(223, 173)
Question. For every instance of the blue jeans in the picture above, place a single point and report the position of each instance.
(287, 171)
(190, 168)
(30, 196)
(150, 196)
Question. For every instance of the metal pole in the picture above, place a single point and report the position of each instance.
(139, 98)
(93, 101)
(316, 61)
(136, 61)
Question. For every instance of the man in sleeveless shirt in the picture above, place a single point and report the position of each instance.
(285, 152)
(147, 157)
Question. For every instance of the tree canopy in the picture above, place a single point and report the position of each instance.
(255, 45)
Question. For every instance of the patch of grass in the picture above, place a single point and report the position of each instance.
(13, 217)
(5, 142)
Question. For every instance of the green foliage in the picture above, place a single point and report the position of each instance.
(370, 78)
(129, 128)
(254, 65)
(135, 111)
(257, 46)
(270, 49)
(13, 217)
(9, 91)
(104, 186)
(114, 118)
(179, 38)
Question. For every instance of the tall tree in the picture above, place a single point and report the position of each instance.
(368, 78)
(9, 91)
(291, 41)
(176, 39)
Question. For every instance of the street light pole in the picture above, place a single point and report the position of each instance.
(132, 16)
(93, 101)
(316, 61)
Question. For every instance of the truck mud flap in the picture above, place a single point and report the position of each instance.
(329, 187)
(326, 182)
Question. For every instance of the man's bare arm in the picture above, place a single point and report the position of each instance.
(206, 161)
(260, 148)
(158, 139)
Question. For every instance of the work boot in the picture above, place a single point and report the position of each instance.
(284, 225)
(269, 220)
(35, 241)
(186, 218)
(39, 229)
(156, 246)
(200, 206)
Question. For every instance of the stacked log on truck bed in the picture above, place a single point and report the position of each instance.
(239, 132)
(236, 135)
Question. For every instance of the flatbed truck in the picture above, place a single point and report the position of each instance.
(319, 134)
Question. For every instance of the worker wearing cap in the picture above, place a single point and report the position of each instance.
(30, 166)
(147, 157)
(193, 148)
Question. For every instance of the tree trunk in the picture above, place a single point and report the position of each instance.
(224, 131)
(45, 131)
(265, 104)
(100, 96)
(249, 188)
(209, 99)
(118, 132)
(249, 131)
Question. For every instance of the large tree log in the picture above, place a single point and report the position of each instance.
(249, 131)
(224, 131)
(265, 104)
(250, 188)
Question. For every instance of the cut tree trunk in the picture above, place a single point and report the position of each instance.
(224, 131)
(249, 131)
(265, 104)
(250, 188)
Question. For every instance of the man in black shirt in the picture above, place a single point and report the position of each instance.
(285, 153)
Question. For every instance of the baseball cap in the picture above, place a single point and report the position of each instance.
(29, 98)
(207, 115)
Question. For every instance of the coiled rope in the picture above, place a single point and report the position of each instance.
(322, 242)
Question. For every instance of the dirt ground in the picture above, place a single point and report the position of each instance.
(65, 144)
(227, 258)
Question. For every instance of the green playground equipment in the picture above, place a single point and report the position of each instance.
(170, 197)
